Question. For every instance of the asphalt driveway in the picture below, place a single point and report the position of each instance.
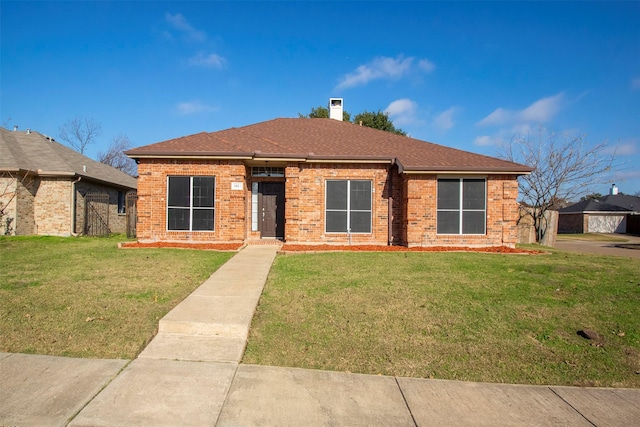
(565, 242)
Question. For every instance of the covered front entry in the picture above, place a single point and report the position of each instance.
(271, 209)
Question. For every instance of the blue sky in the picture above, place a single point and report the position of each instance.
(462, 74)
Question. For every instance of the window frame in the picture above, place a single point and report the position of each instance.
(460, 208)
(192, 208)
(348, 209)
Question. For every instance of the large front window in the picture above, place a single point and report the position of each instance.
(462, 206)
(190, 203)
(348, 206)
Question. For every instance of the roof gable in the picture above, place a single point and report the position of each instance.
(329, 140)
(36, 153)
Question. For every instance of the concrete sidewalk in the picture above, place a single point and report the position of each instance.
(190, 375)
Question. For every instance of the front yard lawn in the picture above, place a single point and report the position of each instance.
(84, 297)
(464, 316)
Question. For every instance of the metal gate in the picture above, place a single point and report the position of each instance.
(132, 214)
(96, 214)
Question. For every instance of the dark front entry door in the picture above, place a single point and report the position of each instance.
(271, 209)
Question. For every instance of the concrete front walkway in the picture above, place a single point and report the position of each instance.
(190, 376)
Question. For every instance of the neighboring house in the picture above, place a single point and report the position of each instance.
(608, 214)
(44, 187)
(323, 181)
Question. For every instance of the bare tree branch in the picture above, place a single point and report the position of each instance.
(563, 168)
(80, 132)
(115, 157)
(8, 193)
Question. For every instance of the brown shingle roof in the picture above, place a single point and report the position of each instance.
(325, 139)
(35, 153)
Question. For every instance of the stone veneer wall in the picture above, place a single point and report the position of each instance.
(8, 200)
(43, 205)
(52, 207)
(117, 222)
(25, 223)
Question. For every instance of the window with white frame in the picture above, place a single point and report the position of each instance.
(190, 203)
(462, 206)
(348, 206)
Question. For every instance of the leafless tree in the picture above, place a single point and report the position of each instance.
(563, 168)
(115, 157)
(79, 132)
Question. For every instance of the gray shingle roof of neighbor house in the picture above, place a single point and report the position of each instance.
(610, 203)
(36, 153)
(326, 140)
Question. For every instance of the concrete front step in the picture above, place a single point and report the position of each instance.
(195, 348)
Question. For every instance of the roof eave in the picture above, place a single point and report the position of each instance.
(462, 171)
(63, 174)
(257, 155)
(107, 183)
(190, 155)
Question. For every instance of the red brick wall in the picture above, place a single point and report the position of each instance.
(572, 223)
(230, 205)
(413, 214)
(305, 201)
(420, 203)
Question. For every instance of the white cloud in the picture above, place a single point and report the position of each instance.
(635, 83)
(384, 68)
(211, 60)
(499, 116)
(444, 120)
(401, 106)
(626, 148)
(181, 24)
(540, 111)
(194, 107)
(403, 112)
(426, 65)
(484, 141)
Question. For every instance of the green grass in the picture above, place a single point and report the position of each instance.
(465, 316)
(84, 297)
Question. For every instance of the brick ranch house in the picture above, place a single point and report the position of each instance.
(44, 185)
(323, 181)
